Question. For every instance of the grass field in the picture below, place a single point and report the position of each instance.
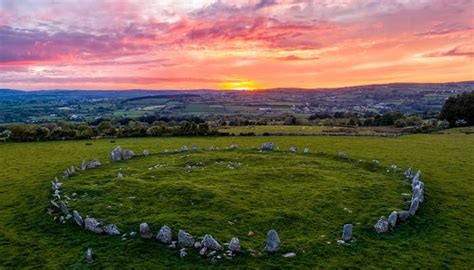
(302, 196)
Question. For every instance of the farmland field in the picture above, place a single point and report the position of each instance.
(305, 197)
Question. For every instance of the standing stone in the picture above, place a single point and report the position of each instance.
(193, 147)
(94, 164)
(403, 215)
(381, 226)
(182, 253)
(293, 149)
(116, 154)
(342, 154)
(146, 153)
(89, 255)
(93, 225)
(78, 218)
(416, 178)
(184, 148)
(392, 219)
(267, 146)
(306, 150)
(84, 165)
(66, 173)
(211, 243)
(145, 231)
(185, 239)
(418, 193)
(128, 154)
(72, 170)
(414, 206)
(111, 229)
(409, 173)
(347, 232)
(166, 151)
(164, 235)
(233, 146)
(234, 245)
(64, 208)
(120, 175)
(273, 241)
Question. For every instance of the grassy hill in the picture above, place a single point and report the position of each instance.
(306, 198)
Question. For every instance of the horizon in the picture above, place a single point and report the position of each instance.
(233, 45)
(239, 90)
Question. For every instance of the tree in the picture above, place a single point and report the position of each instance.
(459, 109)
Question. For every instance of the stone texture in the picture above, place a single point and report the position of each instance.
(78, 218)
(211, 243)
(414, 206)
(128, 154)
(392, 219)
(111, 229)
(409, 173)
(403, 216)
(306, 150)
(381, 226)
(89, 255)
(234, 245)
(184, 148)
(93, 164)
(342, 154)
(64, 208)
(185, 239)
(164, 235)
(116, 154)
(145, 231)
(347, 232)
(84, 165)
(293, 149)
(146, 153)
(267, 146)
(93, 225)
(273, 241)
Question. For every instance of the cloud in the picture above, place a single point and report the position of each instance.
(295, 58)
(459, 51)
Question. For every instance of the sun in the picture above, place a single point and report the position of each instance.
(240, 85)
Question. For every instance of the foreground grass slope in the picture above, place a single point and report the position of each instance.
(311, 215)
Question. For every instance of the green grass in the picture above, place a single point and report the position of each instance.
(302, 196)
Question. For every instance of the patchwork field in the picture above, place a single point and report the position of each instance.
(305, 197)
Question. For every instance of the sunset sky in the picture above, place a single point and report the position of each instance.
(195, 44)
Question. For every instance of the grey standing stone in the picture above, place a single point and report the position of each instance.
(72, 170)
(84, 165)
(233, 146)
(64, 208)
(306, 150)
(94, 164)
(111, 229)
(414, 206)
(267, 146)
(145, 231)
(211, 243)
(146, 153)
(78, 218)
(347, 232)
(273, 241)
(185, 239)
(342, 154)
(89, 255)
(409, 173)
(403, 215)
(184, 148)
(234, 245)
(116, 154)
(128, 154)
(120, 175)
(164, 235)
(193, 147)
(381, 226)
(182, 253)
(293, 149)
(93, 225)
(392, 219)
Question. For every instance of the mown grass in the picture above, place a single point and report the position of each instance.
(302, 196)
